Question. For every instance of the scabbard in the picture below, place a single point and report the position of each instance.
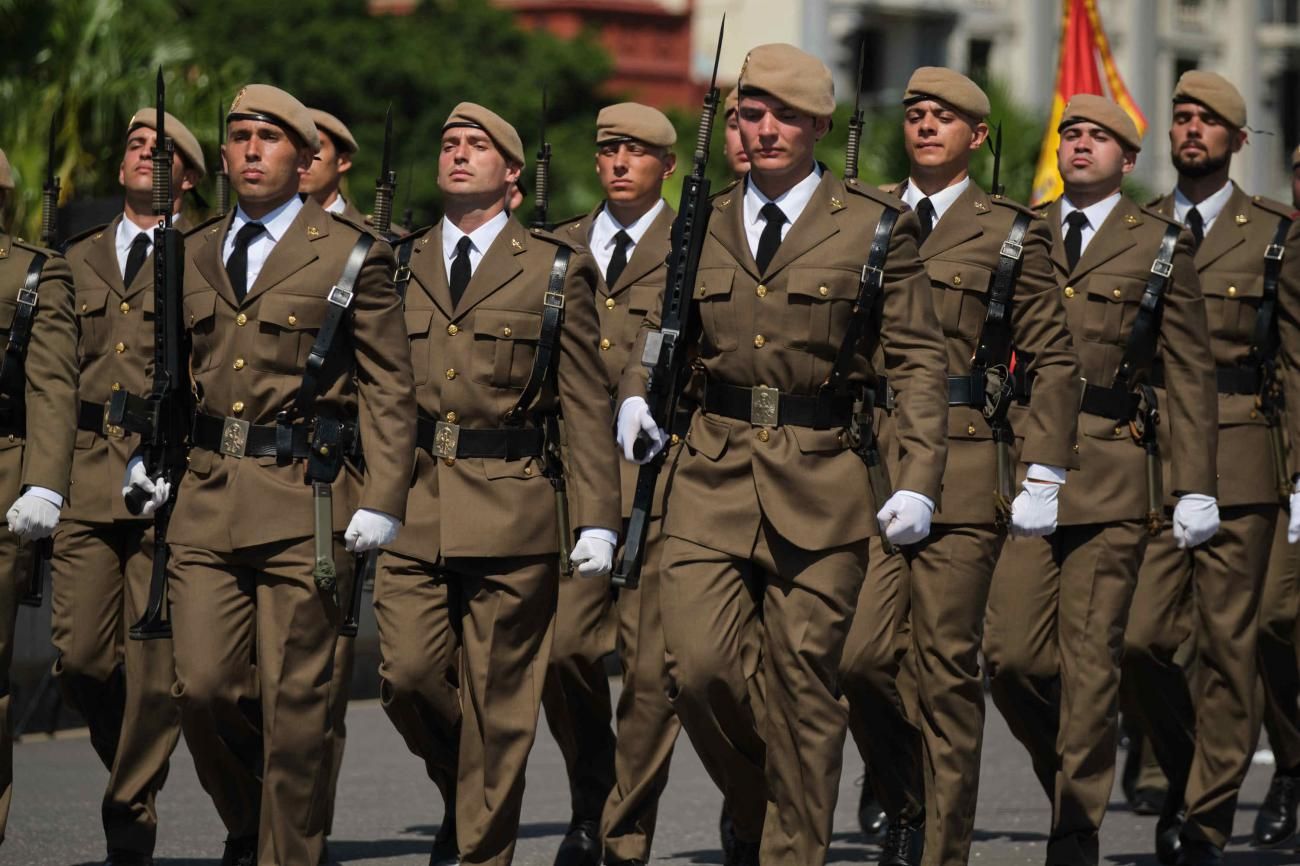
(566, 533)
(1155, 491)
(1277, 444)
(325, 573)
(1002, 496)
(881, 487)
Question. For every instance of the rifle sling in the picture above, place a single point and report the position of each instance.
(1264, 340)
(20, 332)
(402, 276)
(995, 344)
(547, 341)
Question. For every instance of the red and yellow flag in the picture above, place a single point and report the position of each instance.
(1083, 43)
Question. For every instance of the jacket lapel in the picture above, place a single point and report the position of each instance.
(727, 225)
(499, 266)
(1053, 218)
(956, 226)
(814, 225)
(1228, 231)
(209, 261)
(295, 250)
(649, 252)
(438, 290)
(1112, 239)
(102, 257)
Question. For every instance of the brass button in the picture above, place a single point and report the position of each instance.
(117, 386)
(451, 417)
(610, 303)
(1076, 447)
(506, 332)
(126, 308)
(452, 330)
(528, 470)
(702, 291)
(823, 291)
(1232, 291)
(1119, 431)
(1069, 291)
(451, 373)
(448, 461)
(1254, 414)
(85, 307)
(759, 341)
(237, 408)
(956, 279)
(676, 440)
(970, 429)
(239, 364)
(241, 320)
(1117, 293)
(293, 320)
(605, 344)
(120, 348)
(761, 290)
(763, 435)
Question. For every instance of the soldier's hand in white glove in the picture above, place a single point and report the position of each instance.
(369, 529)
(1293, 527)
(905, 519)
(33, 516)
(1196, 519)
(593, 555)
(1034, 511)
(157, 489)
(635, 421)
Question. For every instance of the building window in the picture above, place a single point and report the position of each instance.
(1184, 64)
(1288, 84)
(978, 52)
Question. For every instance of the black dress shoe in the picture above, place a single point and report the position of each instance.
(1275, 823)
(1168, 841)
(904, 842)
(726, 834)
(1196, 852)
(581, 845)
(632, 862)
(120, 857)
(240, 852)
(871, 815)
(445, 850)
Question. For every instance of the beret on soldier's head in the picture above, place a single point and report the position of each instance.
(6, 175)
(503, 135)
(1214, 92)
(273, 105)
(949, 87)
(1090, 108)
(795, 77)
(185, 141)
(335, 129)
(632, 120)
(733, 99)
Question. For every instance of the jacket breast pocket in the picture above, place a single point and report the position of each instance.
(1232, 303)
(818, 304)
(92, 322)
(717, 313)
(418, 323)
(286, 329)
(642, 298)
(200, 318)
(505, 342)
(961, 297)
(1111, 307)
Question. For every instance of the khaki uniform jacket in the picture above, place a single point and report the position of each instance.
(471, 364)
(782, 329)
(961, 256)
(247, 362)
(622, 308)
(51, 373)
(1230, 264)
(1102, 294)
(115, 341)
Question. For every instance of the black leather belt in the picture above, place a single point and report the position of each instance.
(236, 438)
(1228, 380)
(768, 407)
(966, 391)
(94, 417)
(1110, 403)
(452, 440)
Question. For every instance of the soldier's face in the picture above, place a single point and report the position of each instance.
(1200, 143)
(1091, 158)
(630, 171)
(935, 135)
(327, 167)
(1295, 185)
(469, 165)
(265, 162)
(736, 156)
(136, 172)
(778, 139)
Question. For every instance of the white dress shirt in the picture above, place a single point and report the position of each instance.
(1096, 214)
(791, 202)
(604, 227)
(337, 206)
(941, 200)
(1208, 209)
(277, 223)
(479, 240)
(126, 235)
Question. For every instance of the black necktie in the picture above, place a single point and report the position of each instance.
(1197, 225)
(1074, 237)
(237, 264)
(925, 213)
(618, 261)
(135, 258)
(770, 239)
(460, 270)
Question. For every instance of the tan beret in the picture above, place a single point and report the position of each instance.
(1214, 92)
(503, 135)
(733, 99)
(949, 87)
(273, 105)
(632, 120)
(795, 77)
(328, 123)
(6, 175)
(185, 141)
(1104, 112)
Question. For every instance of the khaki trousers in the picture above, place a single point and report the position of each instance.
(493, 618)
(1279, 619)
(254, 641)
(770, 734)
(122, 687)
(340, 693)
(1204, 732)
(1053, 641)
(15, 572)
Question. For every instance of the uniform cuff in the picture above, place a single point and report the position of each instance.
(602, 534)
(1043, 472)
(47, 494)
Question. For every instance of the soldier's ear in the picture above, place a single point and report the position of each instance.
(979, 134)
(670, 164)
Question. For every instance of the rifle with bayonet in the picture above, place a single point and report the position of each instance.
(854, 145)
(163, 418)
(666, 349)
(223, 178)
(995, 145)
(542, 176)
(386, 183)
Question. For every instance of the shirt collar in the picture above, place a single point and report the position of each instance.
(1209, 209)
(941, 200)
(276, 222)
(480, 239)
(791, 202)
(127, 232)
(337, 206)
(606, 226)
(1096, 213)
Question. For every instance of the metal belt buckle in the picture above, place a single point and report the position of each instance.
(340, 297)
(28, 297)
(1272, 252)
(111, 431)
(764, 406)
(554, 299)
(1012, 250)
(402, 274)
(446, 439)
(1162, 268)
(234, 437)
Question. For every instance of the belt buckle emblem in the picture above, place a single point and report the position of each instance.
(111, 431)
(446, 439)
(764, 406)
(234, 437)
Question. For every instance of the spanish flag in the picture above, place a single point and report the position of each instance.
(1083, 43)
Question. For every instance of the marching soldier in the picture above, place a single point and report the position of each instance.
(38, 391)
(628, 235)
(1205, 736)
(502, 326)
(103, 554)
(273, 470)
(990, 268)
(1058, 604)
(769, 510)
(323, 178)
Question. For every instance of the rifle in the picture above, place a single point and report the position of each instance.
(542, 177)
(666, 349)
(223, 179)
(995, 145)
(855, 122)
(164, 417)
(386, 183)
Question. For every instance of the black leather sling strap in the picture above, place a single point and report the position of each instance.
(402, 276)
(1264, 339)
(12, 381)
(548, 340)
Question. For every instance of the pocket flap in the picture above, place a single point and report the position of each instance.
(959, 275)
(507, 324)
(526, 468)
(418, 321)
(91, 302)
(812, 441)
(714, 282)
(200, 306)
(292, 312)
(708, 436)
(1117, 289)
(838, 284)
(644, 298)
(1233, 285)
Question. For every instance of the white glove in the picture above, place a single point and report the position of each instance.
(1034, 512)
(905, 519)
(1293, 528)
(1196, 520)
(137, 478)
(370, 529)
(593, 555)
(634, 421)
(32, 517)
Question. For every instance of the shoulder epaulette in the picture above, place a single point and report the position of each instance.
(558, 240)
(78, 238)
(1155, 214)
(569, 223)
(206, 224)
(1154, 202)
(32, 248)
(726, 190)
(1272, 206)
(359, 225)
(414, 235)
(880, 196)
(1012, 204)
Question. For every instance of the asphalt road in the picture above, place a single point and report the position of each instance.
(388, 811)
